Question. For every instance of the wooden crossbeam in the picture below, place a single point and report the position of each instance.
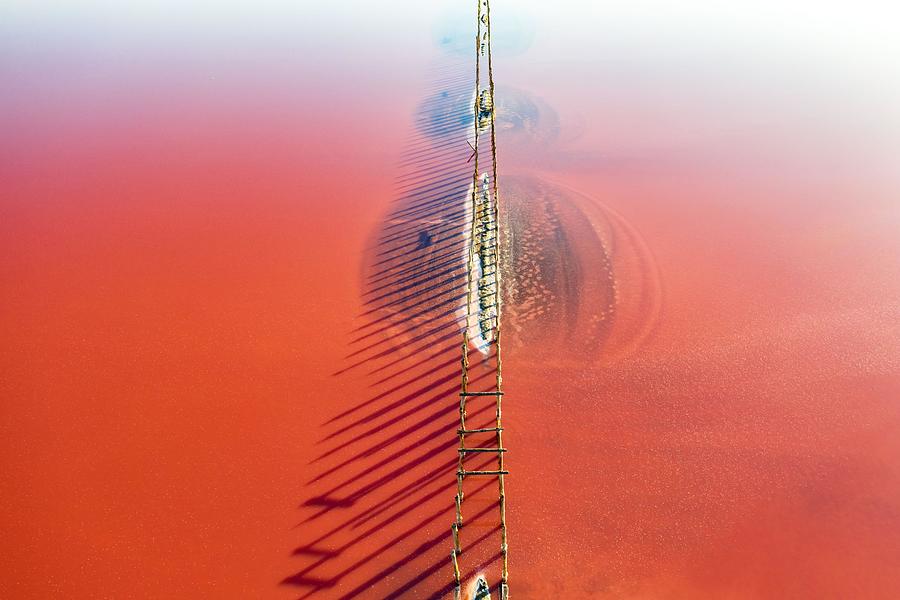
(485, 430)
(484, 241)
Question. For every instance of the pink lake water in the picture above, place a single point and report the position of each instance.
(230, 364)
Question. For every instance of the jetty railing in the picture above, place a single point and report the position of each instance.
(483, 303)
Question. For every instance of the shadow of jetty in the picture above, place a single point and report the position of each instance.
(375, 520)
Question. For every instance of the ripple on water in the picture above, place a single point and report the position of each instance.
(522, 119)
(511, 35)
(578, 283)
(577, 280)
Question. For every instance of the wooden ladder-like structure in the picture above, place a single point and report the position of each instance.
(484, 281)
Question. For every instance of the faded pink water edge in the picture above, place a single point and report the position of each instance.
(216, 383)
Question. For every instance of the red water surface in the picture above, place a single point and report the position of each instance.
(187, 412)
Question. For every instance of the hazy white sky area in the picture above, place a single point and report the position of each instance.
(860, 34)
(829, 49)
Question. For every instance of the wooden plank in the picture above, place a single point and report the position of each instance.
(487, 430)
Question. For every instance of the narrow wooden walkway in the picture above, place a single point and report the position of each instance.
(482, 330)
